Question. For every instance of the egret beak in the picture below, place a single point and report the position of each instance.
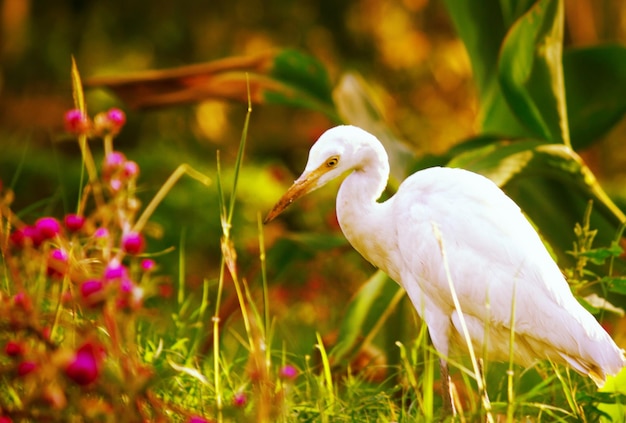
(306, 183)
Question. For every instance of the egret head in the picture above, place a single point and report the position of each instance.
(338, 151)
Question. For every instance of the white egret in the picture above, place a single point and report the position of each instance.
(495, 260)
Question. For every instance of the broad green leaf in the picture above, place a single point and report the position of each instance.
(482, 29)
(499, 161)
(308, 79)
(530, 71)
(513, 9)
(595, 80)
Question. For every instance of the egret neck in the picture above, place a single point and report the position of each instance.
(361, 217)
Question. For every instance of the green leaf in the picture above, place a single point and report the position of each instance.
(499, 161)
(595, 80)
(599, 255)
(304, 82)
(305, 72)
(531, 74)
(482, 29)
(616, 284)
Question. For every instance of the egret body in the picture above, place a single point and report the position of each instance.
(497, 262)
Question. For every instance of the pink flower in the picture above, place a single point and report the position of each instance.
(14, 349)
(288, 372)
(85, 367)
(57, 263)
(101, 233)
(131, 169)
(148, 265)
(18, 237)
(112, 162)
(26, 367)
(90, 287)
(117, 119)
(76, 122)
(48, 227)
(194, 419)
(240, 400)
(115, 270)
(28, 235)
(74, 222)
(133, 243)
(22, 301)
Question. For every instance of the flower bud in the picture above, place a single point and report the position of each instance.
(240, 400)
(74, 222)
(57, 263)
(14, 349)
(85, 367)
(131, 169)
(117, 118)
(133, 243)
(26, 367)
(147, 265)
(113, 162)
(288, 372)
(48, 227)
(76, 122)
(90, 287)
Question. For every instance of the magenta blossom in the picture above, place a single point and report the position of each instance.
(148, 265)
(26, 367)
(48, 227)
(76, 122)
(57, 263)
(14, 349)
(113, 161)
(131, 169)
(117, 118)
(74, 222)
(90, 287)
(240, 399)
(288, 372)
(22, 300)
(115, 270)
(85, 367)
(101, 233)
(133, 243)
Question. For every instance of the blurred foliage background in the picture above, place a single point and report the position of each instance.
(407, 50)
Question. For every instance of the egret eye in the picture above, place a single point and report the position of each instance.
(332, 162)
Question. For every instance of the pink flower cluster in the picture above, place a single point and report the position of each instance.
(83, 367)
(117, 171)
(93, 255)
(110, 122)
(117, 284)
